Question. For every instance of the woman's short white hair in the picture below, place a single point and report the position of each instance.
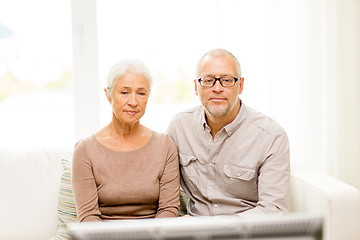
(121, 68)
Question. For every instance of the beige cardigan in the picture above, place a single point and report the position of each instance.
(143, 183)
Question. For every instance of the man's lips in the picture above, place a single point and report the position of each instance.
(217, 99)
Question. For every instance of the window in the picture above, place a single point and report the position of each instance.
(169, 36)
(36, 102)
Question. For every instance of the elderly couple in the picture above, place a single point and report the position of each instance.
(228, 158)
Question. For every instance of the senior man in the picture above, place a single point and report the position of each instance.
(233, 159)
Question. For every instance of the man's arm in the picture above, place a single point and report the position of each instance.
(274, 178)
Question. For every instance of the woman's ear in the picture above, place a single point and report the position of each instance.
(107, 94)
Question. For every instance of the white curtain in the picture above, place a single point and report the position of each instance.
(300, 60)
(301, 63)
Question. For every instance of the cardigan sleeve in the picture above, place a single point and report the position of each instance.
(84, 186)
(169, 200)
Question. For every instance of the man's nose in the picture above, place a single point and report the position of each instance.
(217, 86)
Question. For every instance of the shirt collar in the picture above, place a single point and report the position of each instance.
(231, 127)
(240, 118)
(203, 119)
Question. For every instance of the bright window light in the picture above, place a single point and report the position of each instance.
(35, 74)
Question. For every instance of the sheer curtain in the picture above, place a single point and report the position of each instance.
(300, 60)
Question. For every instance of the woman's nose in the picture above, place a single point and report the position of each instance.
(133, 99)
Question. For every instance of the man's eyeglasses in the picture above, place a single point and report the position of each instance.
(225, 81)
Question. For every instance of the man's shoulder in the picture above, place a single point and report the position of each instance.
(264, 122)
(188, 114)
(185, 121)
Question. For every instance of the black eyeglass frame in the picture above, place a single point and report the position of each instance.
(217, 79)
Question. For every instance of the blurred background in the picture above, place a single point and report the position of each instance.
(300, 60)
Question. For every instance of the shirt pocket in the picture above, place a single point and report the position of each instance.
(241, 173)
(189, 170)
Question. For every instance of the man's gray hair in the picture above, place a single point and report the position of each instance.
(218, 52)
(124, 66)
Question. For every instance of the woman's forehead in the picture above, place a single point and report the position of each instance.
(132, 80)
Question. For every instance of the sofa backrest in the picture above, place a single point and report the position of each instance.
(31, 182)
(29, 194)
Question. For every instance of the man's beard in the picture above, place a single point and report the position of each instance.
(217, 110)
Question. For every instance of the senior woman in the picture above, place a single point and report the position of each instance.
(125, 170)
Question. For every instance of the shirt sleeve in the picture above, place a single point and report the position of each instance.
(84, 186)
(274, 178)
(171, 130)
(169, 200)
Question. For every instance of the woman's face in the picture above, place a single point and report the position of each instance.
(129, 97)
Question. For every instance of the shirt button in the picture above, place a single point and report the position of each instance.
(215, 205)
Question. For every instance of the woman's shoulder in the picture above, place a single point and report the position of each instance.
(86, 142)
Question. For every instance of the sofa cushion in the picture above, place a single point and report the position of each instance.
(184, 198)
(66, 205)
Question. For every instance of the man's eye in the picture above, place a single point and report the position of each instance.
(207, 80)
(124, 92)
(227, 79)
(141, 93)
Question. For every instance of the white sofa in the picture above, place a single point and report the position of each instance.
(30, 191)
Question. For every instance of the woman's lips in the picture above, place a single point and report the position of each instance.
(131, 112)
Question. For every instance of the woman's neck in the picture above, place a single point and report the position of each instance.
(124, 137)
(125, 130)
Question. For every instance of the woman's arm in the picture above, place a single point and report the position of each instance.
(170, 184)
(84, 186)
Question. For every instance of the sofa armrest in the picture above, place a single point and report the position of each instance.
(337, 201)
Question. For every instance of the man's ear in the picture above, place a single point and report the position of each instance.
(196, 90)
(241, 85)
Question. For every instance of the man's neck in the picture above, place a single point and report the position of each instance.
(216, 123)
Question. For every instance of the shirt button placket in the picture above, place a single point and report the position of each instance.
(215, 209)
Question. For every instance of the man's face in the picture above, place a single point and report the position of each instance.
(218, 100)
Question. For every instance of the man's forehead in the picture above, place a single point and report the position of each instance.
(218, 62)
